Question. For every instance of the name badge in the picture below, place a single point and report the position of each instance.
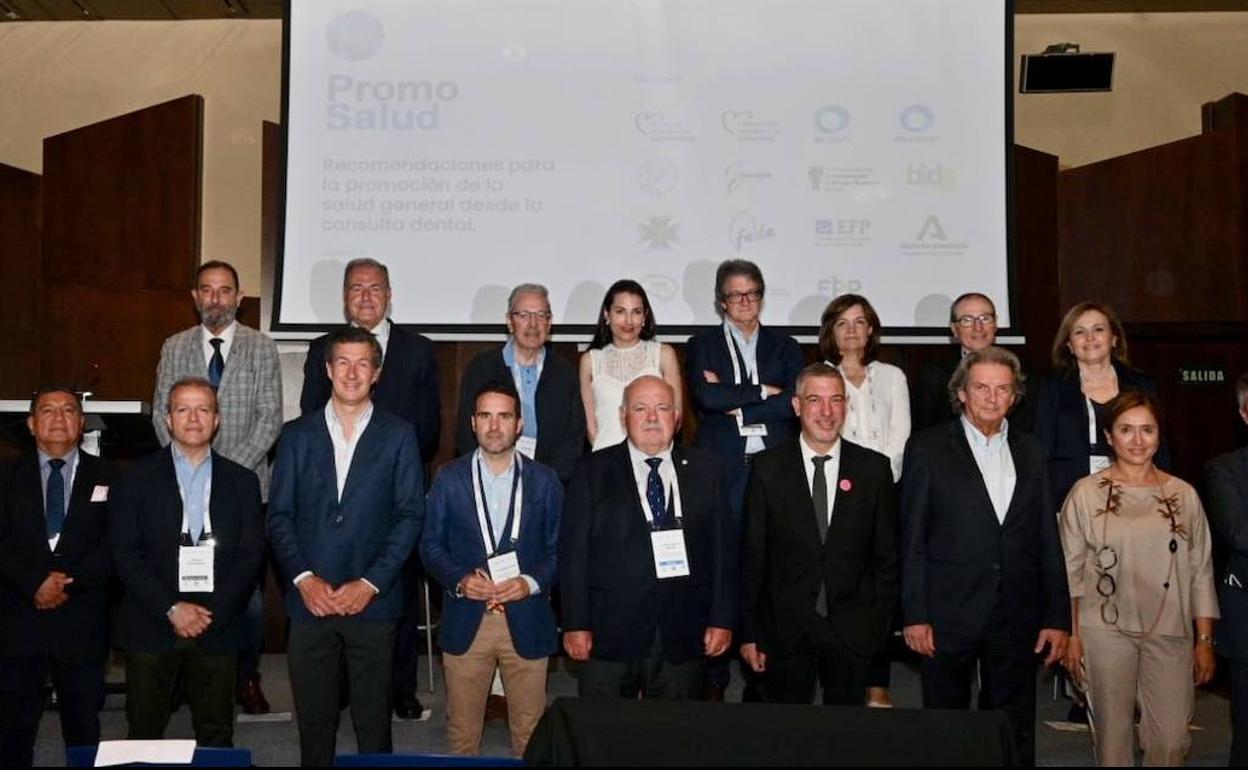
(1098, 463)
(505, 566)
(527, 446)
(671, 560)
(757, 429)
(195, 569)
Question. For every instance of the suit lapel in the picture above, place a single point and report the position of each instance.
(366, 451)
(30, 483)
(167, 489)
(801, 504)
(963, 446)
(240, 349)
(323, 454)
(78, 502)
(1018, 462)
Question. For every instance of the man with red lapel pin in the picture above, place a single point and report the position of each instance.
(819, 567)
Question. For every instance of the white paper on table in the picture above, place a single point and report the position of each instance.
(172, 752)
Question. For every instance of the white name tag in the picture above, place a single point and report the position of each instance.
(1098, 463)
(195, 569)
(99, 494)
(527, 446)
(670, 558)
(757, 429)
(505, 566)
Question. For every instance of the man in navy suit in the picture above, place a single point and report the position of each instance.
(647, 558)
(407, 388)
(983, 573)
(344, 515)
(490, 539)
(187, 537)
(54, 574)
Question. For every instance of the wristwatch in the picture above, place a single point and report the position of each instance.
(1206, 639)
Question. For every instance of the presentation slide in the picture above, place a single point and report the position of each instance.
(471, 145)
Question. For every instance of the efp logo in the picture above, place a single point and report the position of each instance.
(832, 119)
(355, 36)
(917, 118)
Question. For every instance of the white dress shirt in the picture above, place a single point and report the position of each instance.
(382, 332)
(667, 475)
(878, 414)
(227, 337)
(831, 470)
(996, 464)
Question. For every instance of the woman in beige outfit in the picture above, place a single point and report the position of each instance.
(1140, 574)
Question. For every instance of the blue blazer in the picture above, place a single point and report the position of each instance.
(370, 533)
(451, 547)
(779, 362)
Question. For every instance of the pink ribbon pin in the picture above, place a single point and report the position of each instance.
(846, 485)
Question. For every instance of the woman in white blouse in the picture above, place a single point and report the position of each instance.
(622, 350)
(877, 414)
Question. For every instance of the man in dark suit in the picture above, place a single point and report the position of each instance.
(344, 515)
(187, 536)
(983, 575)
(1226, 487)
(647, 558)
(550, 393)
(54, 574)
(973, 325)
(741, 376)
(407, 388)
(490, 538)
(819, 566)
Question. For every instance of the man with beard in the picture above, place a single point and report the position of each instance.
(242, 366)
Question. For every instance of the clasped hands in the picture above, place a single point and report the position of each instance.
(323, 600)
(478, 586)
(51, 593)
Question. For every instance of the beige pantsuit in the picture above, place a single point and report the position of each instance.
(468, 678)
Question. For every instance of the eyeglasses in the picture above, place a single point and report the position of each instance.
(524, 316)
(737, 297)
(967, 321)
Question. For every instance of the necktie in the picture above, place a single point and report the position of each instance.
(654, 491)
(217, 365)
(819, 496)
(55, 512)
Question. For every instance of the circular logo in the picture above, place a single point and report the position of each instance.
(662, 287)
(657, 176)
(831, 119)
(917, 118)
(355, 36)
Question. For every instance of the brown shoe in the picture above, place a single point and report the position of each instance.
(252, 697)
(496, 708)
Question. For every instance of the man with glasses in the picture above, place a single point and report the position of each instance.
(819, 577)
(407, 388)
(983, 572)
(973, 324)
(550, 394)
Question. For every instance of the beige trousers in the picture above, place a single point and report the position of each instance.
(468, 678)
(1156, 673)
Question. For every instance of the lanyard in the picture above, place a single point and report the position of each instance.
(483, 511)
(734, 353)
(1091, 422)
(206, 533)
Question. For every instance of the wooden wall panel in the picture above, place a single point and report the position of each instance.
(121, 240)
(1035, 251)
(20, 250)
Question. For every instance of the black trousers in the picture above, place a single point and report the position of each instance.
(649, 677)
(1239, 715)
(80, 696)
(207, 681)
(315, 653)
(408, 639)
(819, 655)
(1007, 670)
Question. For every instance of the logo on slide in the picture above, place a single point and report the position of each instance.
(933, 239)
(659, 233)
(744, 230)
(917, 118)
(657, 176)
(355, 36)
(846, 232)
(931, 230)
(832, 119)
(662, 287)
(746, 128)
(656, 127)
(940, 176)
(736, 177)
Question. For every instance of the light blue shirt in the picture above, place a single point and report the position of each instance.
(749, 352)
(996, 464)
(67, 473)
(497, 493)
(526, 378)
(192, 481)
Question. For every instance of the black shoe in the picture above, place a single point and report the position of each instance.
(1078, 714)
(410, 709)
(251, 697)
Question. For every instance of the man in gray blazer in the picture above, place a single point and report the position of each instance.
(242, 364)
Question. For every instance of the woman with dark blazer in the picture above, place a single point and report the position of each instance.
(1090, 358)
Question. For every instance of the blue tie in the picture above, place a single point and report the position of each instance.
(55, 513)
(217, 364)
(654, 491)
